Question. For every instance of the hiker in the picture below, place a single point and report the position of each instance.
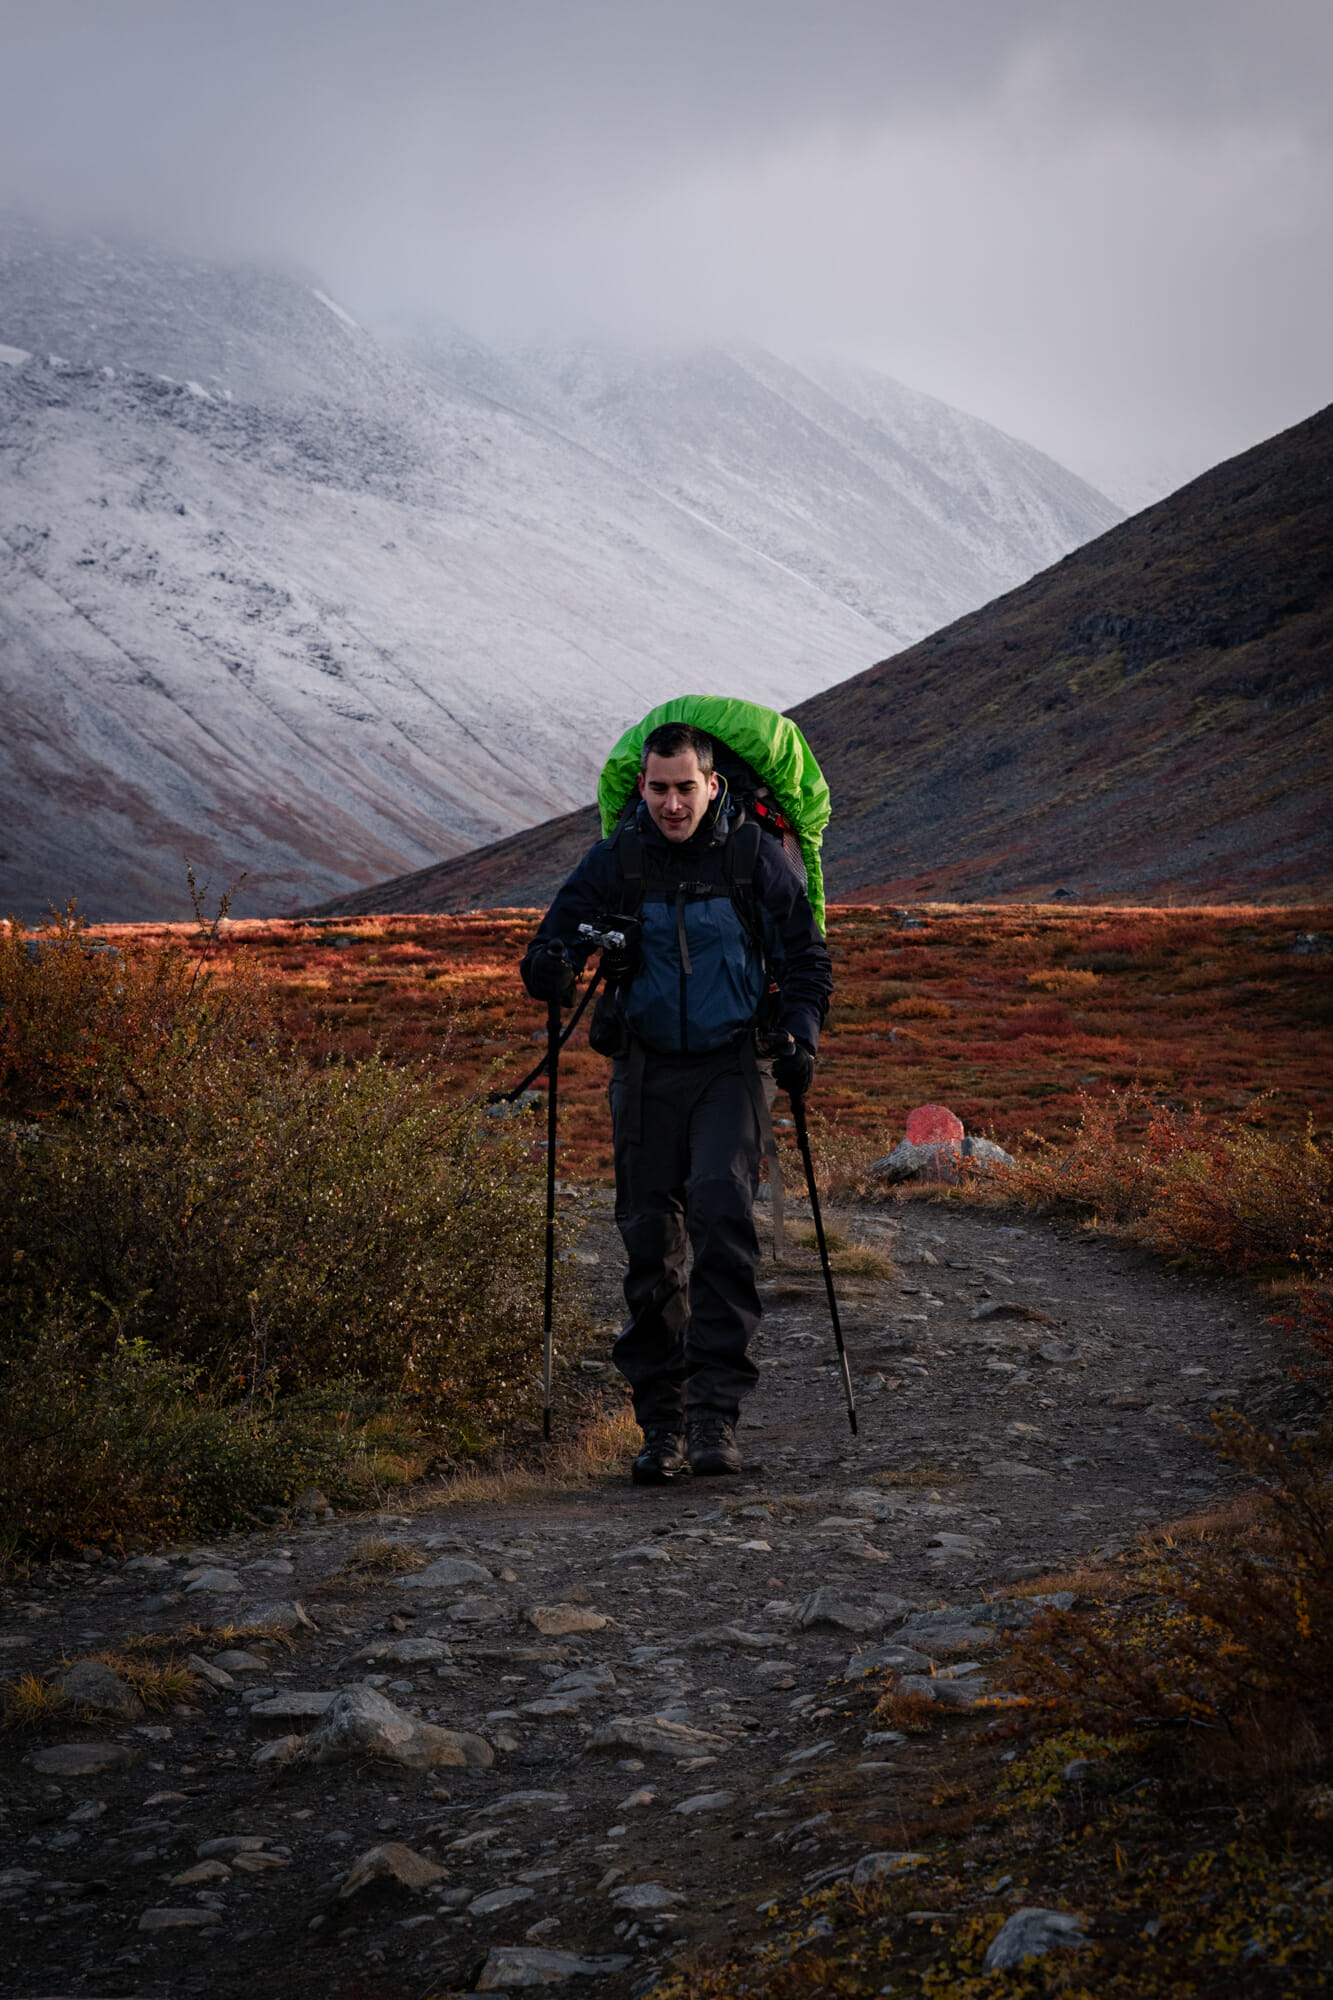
(716, 1000)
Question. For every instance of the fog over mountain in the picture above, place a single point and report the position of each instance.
(284, 597)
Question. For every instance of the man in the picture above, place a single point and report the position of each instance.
(724, 933)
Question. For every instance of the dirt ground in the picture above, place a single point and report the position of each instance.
(1028, 1396)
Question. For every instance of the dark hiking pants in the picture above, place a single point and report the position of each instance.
(687, 1150)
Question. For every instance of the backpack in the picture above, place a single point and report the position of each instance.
(759, 814)
(766, 763)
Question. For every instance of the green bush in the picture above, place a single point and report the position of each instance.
(280, 1226)
(102, 1444)
(264, 1229)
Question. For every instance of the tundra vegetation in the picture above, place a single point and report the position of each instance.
(257, 1231)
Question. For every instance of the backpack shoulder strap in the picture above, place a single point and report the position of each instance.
(629, 859)
(742, 852)
(742, 859)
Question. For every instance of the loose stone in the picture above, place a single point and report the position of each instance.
(522, 1802)
(179, 1920)
(93, 1684)
(293, 1705)
(492, 1900)
(873, 1868)
(240, 1662)
(284, 1616)
(645, 1898)
(212, 1582)
(881, 1659)
(656, 1736)
(445, 1573)
(830, 1607)
(203, 1872)
(556, 1621)
(407, 1652)
(208, 1670)
(511, 1967)
(1030, 1933)
(391, 1862)
(362, 1722)
(81, 1760)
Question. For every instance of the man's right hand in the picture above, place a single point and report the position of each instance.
(794, 1068)
(548, 975)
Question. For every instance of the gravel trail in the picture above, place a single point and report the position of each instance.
(622, 1720)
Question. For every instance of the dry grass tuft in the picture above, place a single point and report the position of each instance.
(848, 1257)
(915, 1475)
(376, 1555)
(30, 1700)
(220, 1636)
(915, 1714)
(863, 1261)
(158, 1685)
(600, 1447)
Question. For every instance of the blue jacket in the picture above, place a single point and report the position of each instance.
(704, 997)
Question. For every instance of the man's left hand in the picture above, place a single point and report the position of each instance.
(794, 1069)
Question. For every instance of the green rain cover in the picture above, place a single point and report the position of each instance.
(769, 743)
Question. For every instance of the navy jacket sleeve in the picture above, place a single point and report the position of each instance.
(800, 955)
(588, 897)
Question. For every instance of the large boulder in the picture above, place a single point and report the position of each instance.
(361, 1722)
(917, 1163)
(935, 1148)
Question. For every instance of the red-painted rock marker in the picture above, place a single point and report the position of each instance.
(933, 1125)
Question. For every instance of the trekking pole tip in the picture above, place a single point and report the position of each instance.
(546, 1426)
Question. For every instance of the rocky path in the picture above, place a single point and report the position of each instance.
(603, 1727)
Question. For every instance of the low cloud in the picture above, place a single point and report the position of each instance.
(1107, 229)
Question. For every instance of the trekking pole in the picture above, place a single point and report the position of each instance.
(803, 1141)
(548, 1303)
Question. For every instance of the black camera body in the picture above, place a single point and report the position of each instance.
(619, 940)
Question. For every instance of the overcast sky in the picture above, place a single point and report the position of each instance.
(1106, 225)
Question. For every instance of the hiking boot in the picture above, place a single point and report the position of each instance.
(662, 1458)
(712, 1446)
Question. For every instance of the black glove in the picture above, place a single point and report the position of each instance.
(794, 1069)
(548, 974)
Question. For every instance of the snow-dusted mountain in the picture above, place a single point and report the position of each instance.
(278, 596)
(889, 501)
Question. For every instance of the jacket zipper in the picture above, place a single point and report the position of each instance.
(685, 967)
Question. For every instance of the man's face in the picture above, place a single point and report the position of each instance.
(677, 793)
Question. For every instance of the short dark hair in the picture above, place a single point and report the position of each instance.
(673, 739)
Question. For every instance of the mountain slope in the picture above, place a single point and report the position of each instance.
(1151, 717)
(892, 502)
(282, 599)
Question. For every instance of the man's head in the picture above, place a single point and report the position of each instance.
(676, 778)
